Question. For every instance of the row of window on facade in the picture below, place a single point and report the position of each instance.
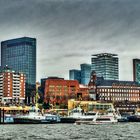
(61, 88)
(102, 107)
(17, 79)
(124, 86)
(14, 75)
(120, 90)
(121, 95)
(60, 93)
(121, 99)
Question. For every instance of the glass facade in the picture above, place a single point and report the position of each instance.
(85, 73)
(136, 70)
(20, 55)
(106, 65)
(75, 75)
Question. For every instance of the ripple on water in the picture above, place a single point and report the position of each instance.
(120, 131)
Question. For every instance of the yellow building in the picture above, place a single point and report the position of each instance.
(90, 105)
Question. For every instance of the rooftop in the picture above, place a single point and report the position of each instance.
(101, 82)
(18, 40)
(104, 54)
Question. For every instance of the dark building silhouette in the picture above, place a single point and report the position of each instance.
(136, 70)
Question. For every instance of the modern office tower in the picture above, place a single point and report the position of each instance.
(75, 75)
(20, 55)
(106, 65)
(85, 73)
(12, 86)
(136, 70)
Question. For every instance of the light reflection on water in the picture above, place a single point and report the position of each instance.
(120, 131)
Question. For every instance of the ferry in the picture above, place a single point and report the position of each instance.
(78, 114)
(85, 110)
(108, 118)
(36, 117)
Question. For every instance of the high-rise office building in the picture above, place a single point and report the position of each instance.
(75, 75)
(20, 55)
(106, 65)
(136, 70)
(85, 73)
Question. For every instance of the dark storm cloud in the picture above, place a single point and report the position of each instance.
(69, 31)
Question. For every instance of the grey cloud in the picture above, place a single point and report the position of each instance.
(60, 58)
(69, 31)
(74, 55)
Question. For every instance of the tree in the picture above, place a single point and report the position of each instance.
(46, 105)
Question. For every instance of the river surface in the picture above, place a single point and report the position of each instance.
(120, 131)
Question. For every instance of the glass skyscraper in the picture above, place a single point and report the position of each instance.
(85, 73)
(20, 55)
(75, 75)
(136, 70)
(106, 65)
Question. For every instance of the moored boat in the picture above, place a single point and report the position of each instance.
(123, 119)
(110, 117)
(35, 117)
(134, 117)
(77, 114)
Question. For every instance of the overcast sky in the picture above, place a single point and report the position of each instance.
(68, 32)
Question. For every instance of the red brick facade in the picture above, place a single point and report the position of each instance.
(118, 93)
(59, 90)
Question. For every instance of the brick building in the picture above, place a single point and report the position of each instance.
(58, 91)
(12, 86)
(83, 93)
(126, 93)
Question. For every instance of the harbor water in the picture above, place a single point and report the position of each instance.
(120, 131)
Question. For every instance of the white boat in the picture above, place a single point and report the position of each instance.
(110, 117)
(77, 114)
(35, 117)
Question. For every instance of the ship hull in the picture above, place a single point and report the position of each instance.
(26, 121)
(134, 118)
(32, 121)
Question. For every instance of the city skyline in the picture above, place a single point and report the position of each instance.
(69, 32)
